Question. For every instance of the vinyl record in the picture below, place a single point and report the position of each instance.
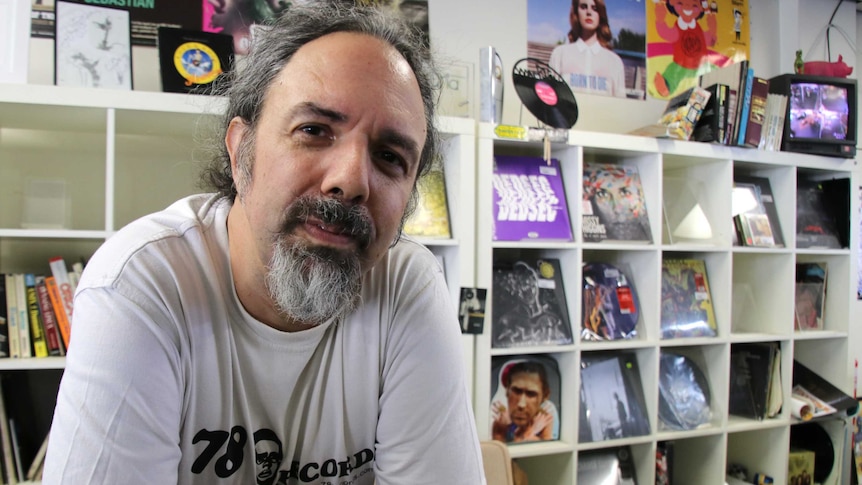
(545, 94)
(610, 307)
(812, 436)
(683, 393)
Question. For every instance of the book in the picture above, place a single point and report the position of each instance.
(529, 200)
(611, 399)
(191, 60)
(4, 327)
(810, 301)
(815, 225)
(525, 398)
(684, 394)
(24, 343)
(529, 305)
(776, 106)
(734, 76)
(12, 316)
(607, 466)
(614, 206)
(431, 217)
(680, 116)
(752, 223)
(34, 471)
(610, 308)
(57, 303)
(686, 302)
(745, 106)
(751, 373)
(710, 127)
(766, 203)
(823, 390)
(756, 112)
(53, 338)
(10, 476)
(37, 329)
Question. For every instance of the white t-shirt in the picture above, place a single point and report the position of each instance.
(590, 68)
(169, 380)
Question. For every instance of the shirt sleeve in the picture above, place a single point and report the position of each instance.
(426, 432)
(118, 410)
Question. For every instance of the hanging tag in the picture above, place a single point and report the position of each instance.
(546, 142)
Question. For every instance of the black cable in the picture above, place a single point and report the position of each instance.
(828, 27)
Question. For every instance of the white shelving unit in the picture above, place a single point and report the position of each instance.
(752, 291)
(123, 154)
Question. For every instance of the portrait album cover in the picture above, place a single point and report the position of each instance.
(686, 302)
(614, 207)
(612, 404)
(431, 218)
(92, 46)
(610, 307)
(471, 310)
(810, 303)
(529, 304)
(608, 466)
(684, 396)
(529, 200)
(525, 398)
(191, 60)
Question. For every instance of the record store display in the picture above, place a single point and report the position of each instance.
(191, 60)
(611, 308)
(545, 94)
(683, 393)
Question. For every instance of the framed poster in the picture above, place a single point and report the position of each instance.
(15, 42)
(92, 46)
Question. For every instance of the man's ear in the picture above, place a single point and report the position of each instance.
(236, 130)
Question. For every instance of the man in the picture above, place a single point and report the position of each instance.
(281, 303)
(530, 416)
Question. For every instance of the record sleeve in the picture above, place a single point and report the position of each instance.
(529, 304)
(610, 307)
(684, 396)
(191, 60)
(529, 200)
(525, 402)
(612, 399)
(765, 198)
(686, 303)
(431, 217)
(810, 299)
(815, 226)
(751, 371)
(614, 207)
(610, 466)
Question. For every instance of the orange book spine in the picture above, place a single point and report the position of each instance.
(57, 302)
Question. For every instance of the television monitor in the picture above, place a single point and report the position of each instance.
(821, 117)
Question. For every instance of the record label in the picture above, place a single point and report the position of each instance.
(546, 93)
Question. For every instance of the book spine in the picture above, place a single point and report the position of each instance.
(12, 316)
(6, 440)
(49, 318)
(4, 327)
(57, 303)
(61, 276)
(757, 112)
(23, 317)
(746, 107)
(37, 331)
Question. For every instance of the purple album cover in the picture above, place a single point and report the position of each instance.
(529, 200)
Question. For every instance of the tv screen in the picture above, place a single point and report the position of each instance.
(818, 111)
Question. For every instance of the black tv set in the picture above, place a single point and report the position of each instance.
(821, 116)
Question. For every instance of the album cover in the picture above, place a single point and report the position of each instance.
(611, 399)
(610, 309)
(684, 396)
(190, 60)
(529, 200)
(529, 304)
(763, 194)
(608, 466)
(752, 222)
(664, 463)
(686, 303)
(614, 207)
(471, 311)
(800, 467)
(815, 224)
(752, 373)
(431, 218)
(810, 300)
(525, 398)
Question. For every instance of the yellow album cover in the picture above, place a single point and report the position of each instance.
(431, 218)
(687, 38)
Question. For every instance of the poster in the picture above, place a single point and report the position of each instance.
(686, 38)
(598, 46)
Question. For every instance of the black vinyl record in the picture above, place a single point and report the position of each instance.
(684, 396)
(812, 436)
(545, 94)
(190, 60)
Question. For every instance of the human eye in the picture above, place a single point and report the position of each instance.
(391, 161)
(313, 130)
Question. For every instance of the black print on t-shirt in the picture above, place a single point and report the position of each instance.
(225, 452)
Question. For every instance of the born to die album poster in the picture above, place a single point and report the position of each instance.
(687, 38)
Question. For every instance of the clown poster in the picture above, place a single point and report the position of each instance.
(687, 38)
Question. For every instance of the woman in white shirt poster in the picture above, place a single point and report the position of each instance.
(587, 62)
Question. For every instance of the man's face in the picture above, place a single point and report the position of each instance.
(525, 398)
(267, 458)
(343, 121)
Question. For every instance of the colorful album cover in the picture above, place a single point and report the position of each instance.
(190, 60)
(684, 396)
(815, 227)
(529, 200)
(614, 207)
(800, 467)
(686, 302)
(431, 218)
(767, 202)
(529, 304)
(607, 466)
(753, 223)
(525, 402)
(810, 295)
(612, 404)
(610, 308)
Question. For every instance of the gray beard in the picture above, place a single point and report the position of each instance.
(312, 284)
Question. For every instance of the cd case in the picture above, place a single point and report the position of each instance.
(190, 60)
